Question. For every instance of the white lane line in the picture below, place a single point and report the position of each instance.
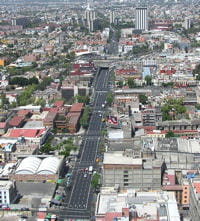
(73, 190)
(83, 150)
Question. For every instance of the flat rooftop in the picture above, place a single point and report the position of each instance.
(34, 124)
(176, 145)
(5, 184)
(151, 203)
(119, 158)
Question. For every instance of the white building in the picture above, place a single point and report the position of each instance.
(112, 17)
(7, 192)
(90, 16)
(187, 23)
(136, 205)
(141, 18)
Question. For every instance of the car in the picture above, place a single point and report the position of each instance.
(6, 208)
(85, 175)
(23, 217)
(24, 209)
(103, 120)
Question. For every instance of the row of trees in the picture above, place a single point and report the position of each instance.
(22, 81)
(84, 121)
(20, 71)
(109, 98)
(132, 83)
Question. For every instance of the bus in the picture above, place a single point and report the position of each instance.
(90, 169)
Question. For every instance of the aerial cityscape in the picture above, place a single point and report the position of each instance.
(99, 110)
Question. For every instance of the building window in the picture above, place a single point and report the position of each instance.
(125, 171)
(185, 201)
(185, 197)
(126, 180)
(126, 184)
(126, 175)
(185, 187)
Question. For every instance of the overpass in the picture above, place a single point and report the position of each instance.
(106, 63)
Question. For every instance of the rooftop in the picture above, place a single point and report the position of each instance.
(16, 121)
(58, 104)
(76, 107)
(23, 112)
(5, 184)
(149, 203)
(37, 124)
(119, 158)
(197, 187)
(20, 132)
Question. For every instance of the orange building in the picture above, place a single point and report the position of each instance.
(2, 62)
(185, 195)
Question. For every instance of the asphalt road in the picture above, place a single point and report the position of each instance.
(77, 204)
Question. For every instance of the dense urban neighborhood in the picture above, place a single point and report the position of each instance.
(99, 110)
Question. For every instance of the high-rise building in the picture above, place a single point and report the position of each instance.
(141, 18)
(187, 23)
(112, 17)
(90, 16)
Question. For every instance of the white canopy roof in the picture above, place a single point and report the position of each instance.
(49, 165)
(28, 165)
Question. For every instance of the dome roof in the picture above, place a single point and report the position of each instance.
(28, 165)
(49, 165)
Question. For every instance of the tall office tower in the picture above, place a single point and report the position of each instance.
(187, 24)
(90, 16)
(141, 18)
(112, 17)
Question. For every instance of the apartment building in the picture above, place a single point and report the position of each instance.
(124, 169)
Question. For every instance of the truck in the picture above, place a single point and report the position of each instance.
(90, 170)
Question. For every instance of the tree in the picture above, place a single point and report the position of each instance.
(82, 99)
(109, 98)
(148, 79)
(85, 117)
(143, 99)
(173, 109)
(22, 81)
(45, 82)
(197, 106)
(26, 96)
(66, 146)
(196, 72)
(120, 84)
(169, 134)
(33, 80)
(47, 147)
(95, 180)
(40, 102)
(131, 83)
(4, 100)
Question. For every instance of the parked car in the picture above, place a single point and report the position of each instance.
(6, 208)
(24, 209)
